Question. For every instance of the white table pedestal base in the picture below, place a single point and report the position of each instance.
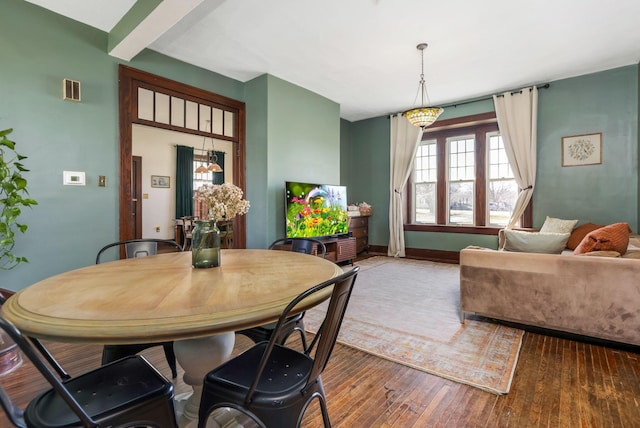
(198, 357)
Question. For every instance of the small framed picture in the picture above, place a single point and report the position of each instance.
(160, 181)
(578, 150)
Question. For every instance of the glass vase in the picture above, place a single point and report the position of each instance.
(205, 244)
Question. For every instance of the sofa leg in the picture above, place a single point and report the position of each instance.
(462, 317)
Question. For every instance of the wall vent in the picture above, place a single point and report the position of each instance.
(71, 89)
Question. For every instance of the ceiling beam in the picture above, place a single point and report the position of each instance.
(144, 23)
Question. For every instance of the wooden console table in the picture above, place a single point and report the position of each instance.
(359, 228)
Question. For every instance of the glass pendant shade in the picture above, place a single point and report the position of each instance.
(423, 116)
(201, 169)
(214, 167)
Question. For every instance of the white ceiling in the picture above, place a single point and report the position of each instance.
(362, 53)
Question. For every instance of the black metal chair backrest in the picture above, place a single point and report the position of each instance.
(302, 245)
(16, 414)
(325, 337)
(126, 390)
(140, 247)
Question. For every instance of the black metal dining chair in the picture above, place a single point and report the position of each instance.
(128, 392)
(302, 245)
(140, 248)
(296, 323)
(273, 384)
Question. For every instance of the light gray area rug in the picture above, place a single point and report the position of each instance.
(407, 311)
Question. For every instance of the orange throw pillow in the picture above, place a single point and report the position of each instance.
(614, 237)
(579, 233)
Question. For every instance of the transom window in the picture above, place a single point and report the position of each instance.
(462, 177)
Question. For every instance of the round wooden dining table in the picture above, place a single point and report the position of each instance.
(162, 298)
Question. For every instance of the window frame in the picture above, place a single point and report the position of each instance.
(479, 125)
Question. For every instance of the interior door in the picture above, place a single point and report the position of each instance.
(136, 195)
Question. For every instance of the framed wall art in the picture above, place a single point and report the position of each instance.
(160, 181)
(579, 150)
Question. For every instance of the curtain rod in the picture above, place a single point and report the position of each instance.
(454, 105)
(490, 97)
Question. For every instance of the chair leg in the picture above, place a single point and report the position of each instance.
(171, 358)
(325, 411)
(303, 337)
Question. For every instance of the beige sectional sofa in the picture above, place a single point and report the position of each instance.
(590, 296)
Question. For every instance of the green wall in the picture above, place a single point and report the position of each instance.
(39, 49)
(257, 171)
(604, 102)
(303, 144)
(367, 170)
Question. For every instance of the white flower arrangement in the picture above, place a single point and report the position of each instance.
(223, 201)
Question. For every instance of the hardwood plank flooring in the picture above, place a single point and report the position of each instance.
(558, 383)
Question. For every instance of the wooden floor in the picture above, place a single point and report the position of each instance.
(558, 383)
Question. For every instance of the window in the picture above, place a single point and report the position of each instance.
(462, 178)
(207, 177)
(426, 181)
(503, 189)
(461, 182)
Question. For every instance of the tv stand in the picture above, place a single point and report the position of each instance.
(340, 250)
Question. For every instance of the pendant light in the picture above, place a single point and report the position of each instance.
(212, 158)
(423, 116)
(202, 169)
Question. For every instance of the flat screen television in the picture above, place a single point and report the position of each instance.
(315, 210)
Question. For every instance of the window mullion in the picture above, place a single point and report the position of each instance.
(442, 181)
(481, 179)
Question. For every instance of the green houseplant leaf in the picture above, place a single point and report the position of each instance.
(13, 196)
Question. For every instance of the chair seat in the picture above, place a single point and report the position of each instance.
(111, 390)
(287, 370)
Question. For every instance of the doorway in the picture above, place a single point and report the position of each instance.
(185, 109)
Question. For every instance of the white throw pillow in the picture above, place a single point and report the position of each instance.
(535, 242)
(558, 225)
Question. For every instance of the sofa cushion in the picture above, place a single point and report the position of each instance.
(534, 242)
(580, 232)
(558, 225)
(614, 237)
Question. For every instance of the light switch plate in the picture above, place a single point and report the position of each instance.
(73, 178)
